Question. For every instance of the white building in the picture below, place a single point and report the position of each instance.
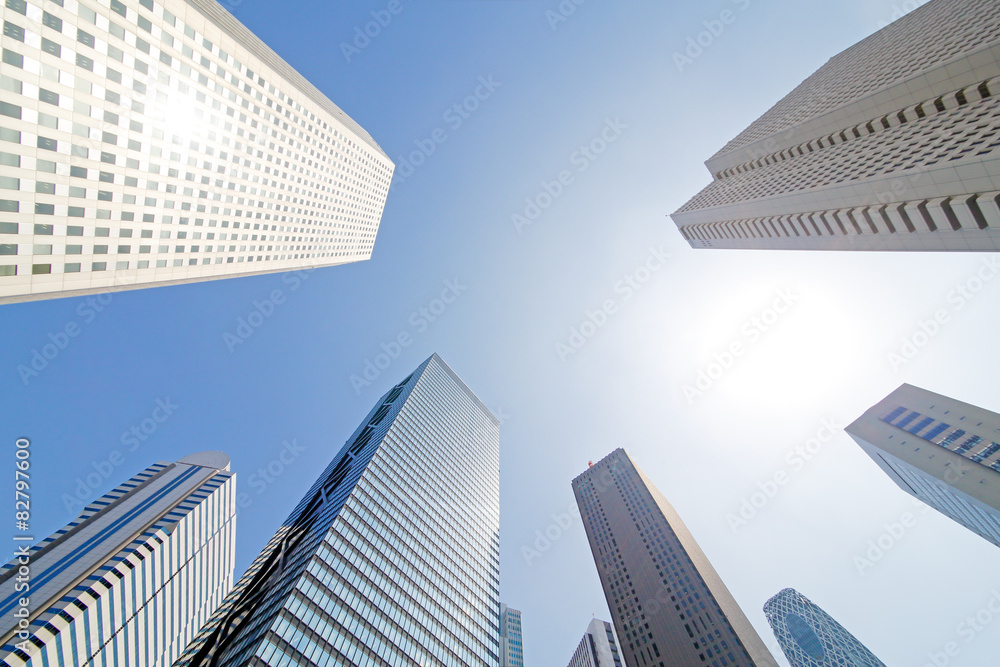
(133, 578)
(943, 452)
(598, 648)
(894, 144)
(151, 143)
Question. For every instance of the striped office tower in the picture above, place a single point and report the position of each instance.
(133, 578)
(893, 144)
(392, 556)
(943, 452)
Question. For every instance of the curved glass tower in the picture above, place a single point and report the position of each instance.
(810, 637)
(392, 557)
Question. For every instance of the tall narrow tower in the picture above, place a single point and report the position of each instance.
(670, 607)
(809, 637)
(511, 641)
(154, 143)
(891, 145)
(598, 648)
(392, 557)
(943, 452)
(133, 578)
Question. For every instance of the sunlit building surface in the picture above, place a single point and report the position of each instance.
(598, 648)
(943, 452)
(893, 144)
(151, 143)
(392, 557)
(511, 645)
(809, 637)
(133, 578)
(669, 606)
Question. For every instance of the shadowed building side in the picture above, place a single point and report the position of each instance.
(893, 144)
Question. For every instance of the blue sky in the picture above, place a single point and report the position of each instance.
(601, 237)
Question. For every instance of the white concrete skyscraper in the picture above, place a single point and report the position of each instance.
(393, 555)
(152, 143)
(943, 452)
(893, 144)
(809, 636)
(133, 578)
(669, 605)
(598, 648)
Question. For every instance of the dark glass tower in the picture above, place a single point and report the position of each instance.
(392, 557)
(669, 605)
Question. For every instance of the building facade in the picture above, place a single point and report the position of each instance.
(598, 648)
(891, 145)
(392, 556)
(133, 578)
(809, 637)
(511, 644)
(669, 606)
(944, 452)
(152, 143)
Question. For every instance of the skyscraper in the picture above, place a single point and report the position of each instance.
(891, 145)
(669, 606)
(598, 648)
(132, 579)
(511, 646)
(392, 557)
(810, 637)
(943, 452)
(159, 143)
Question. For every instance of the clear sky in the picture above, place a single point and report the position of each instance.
(546, 89)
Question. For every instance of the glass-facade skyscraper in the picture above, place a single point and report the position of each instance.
(147, 143)
(598, 648)
(890, 145)
(511, 642)
(943, 452)
(809, 637)
(133, 578)
(669, 605)
(392, 556)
